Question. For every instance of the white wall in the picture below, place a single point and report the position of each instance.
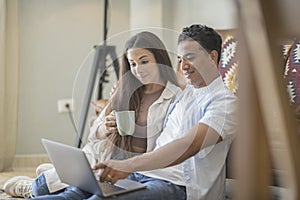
(57, 35)
(145, 13)
(219, 14)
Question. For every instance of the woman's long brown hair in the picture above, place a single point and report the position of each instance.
(130, 90)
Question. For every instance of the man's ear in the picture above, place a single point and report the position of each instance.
(214, 56)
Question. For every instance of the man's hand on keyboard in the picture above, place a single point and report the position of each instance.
(112, 171)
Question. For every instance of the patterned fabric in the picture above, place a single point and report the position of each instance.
(291, 53)
(228, 65)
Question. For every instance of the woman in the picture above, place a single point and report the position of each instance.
(147, 86)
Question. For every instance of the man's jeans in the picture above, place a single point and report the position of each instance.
(156, 189)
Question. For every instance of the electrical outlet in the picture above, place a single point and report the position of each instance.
(63, 104)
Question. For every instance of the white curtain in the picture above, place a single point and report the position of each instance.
(9, 67)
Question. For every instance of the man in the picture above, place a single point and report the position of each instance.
(203, 120)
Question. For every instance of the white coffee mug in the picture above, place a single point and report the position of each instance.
(125, 122)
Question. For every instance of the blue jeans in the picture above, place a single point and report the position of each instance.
(157, 189)
(40, 187)
(66, 194)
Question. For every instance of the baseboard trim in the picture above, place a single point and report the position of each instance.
(29, 161)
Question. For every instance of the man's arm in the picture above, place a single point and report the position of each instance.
(199, 137)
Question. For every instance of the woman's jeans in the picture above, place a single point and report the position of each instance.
(156, 189)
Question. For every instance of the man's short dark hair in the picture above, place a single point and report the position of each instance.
(207, 37)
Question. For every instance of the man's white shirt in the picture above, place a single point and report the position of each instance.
(204, 173)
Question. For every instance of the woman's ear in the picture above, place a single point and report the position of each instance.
(214, 56)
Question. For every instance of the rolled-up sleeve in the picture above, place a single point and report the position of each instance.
(96, 124)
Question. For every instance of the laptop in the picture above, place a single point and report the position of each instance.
(73, 168)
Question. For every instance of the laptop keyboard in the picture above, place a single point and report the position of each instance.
(109, 188)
